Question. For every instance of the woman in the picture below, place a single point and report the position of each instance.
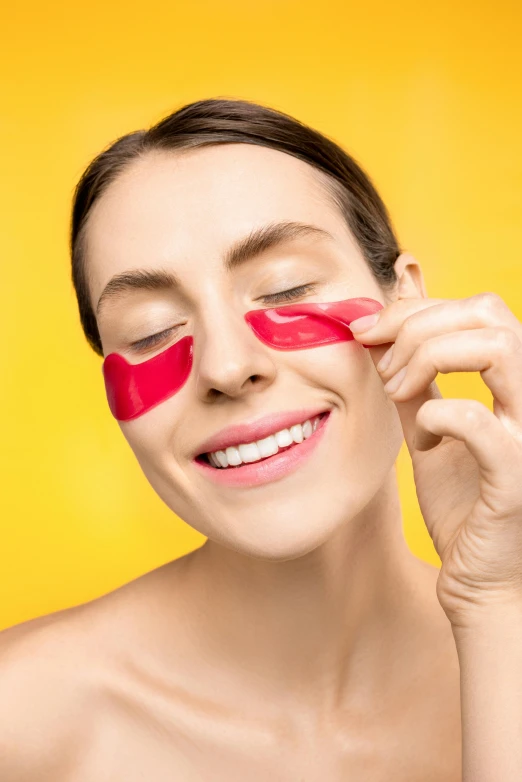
(303, 640)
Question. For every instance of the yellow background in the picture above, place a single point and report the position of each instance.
(425, 96)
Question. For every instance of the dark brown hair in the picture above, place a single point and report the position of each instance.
(223, 121)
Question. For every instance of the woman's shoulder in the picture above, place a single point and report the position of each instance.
(52, 681)
(63, 675)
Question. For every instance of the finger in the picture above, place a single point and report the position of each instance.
(483, 434)
(391, 318)
(494, 352)
(408, 414)
(409, 322)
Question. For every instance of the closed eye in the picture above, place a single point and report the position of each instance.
(292, 293)
(154, 339)
(272, 298)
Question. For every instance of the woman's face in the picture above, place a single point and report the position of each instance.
(182, 212)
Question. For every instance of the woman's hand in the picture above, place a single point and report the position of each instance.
(467, 460)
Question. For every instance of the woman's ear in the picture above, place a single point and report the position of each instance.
(411, 281)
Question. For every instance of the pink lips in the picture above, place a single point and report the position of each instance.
(270, 469)
(258, 429)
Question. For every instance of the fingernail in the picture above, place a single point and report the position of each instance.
(384, 363)
(365, 323)
(393, 384)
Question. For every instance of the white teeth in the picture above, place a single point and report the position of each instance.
(233, 456)
(221, 458)
(297, 433)
(246, 453)
(307, 429)
(283, 438)
(268, 446)
(213, 460)
(249, 453)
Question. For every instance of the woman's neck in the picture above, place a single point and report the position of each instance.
(315, 632)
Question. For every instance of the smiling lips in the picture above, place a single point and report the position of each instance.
(134, 389)
(283, 462)
(250, 432)
(245, 453)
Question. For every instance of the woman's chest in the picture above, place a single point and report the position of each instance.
(137, 743)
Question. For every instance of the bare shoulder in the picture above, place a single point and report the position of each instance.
(50, 685)
(60, 673)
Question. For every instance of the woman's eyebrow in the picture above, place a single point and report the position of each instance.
(258, 241)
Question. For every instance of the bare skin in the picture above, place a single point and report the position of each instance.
(303, 641)
(97, 692)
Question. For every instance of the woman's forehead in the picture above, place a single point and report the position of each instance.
(196, 203)
(230, 183)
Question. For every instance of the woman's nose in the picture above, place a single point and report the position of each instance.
(228, 358)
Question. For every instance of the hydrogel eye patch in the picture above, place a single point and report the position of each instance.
(297, 326)
(134, 389)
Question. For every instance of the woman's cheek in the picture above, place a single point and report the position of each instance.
(150, 434)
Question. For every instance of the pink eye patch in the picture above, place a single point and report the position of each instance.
(297, 326)
(134, 389)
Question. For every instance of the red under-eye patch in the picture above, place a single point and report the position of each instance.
(134, 389)
(297, 326)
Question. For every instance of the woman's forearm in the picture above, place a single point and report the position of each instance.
(490, 658)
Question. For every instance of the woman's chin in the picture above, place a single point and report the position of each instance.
(276, 543)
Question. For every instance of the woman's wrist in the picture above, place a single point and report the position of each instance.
(487, 624)
(489, 649)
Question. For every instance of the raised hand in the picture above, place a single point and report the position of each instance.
(467, 460)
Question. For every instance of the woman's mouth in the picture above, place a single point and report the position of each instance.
(252, 464)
